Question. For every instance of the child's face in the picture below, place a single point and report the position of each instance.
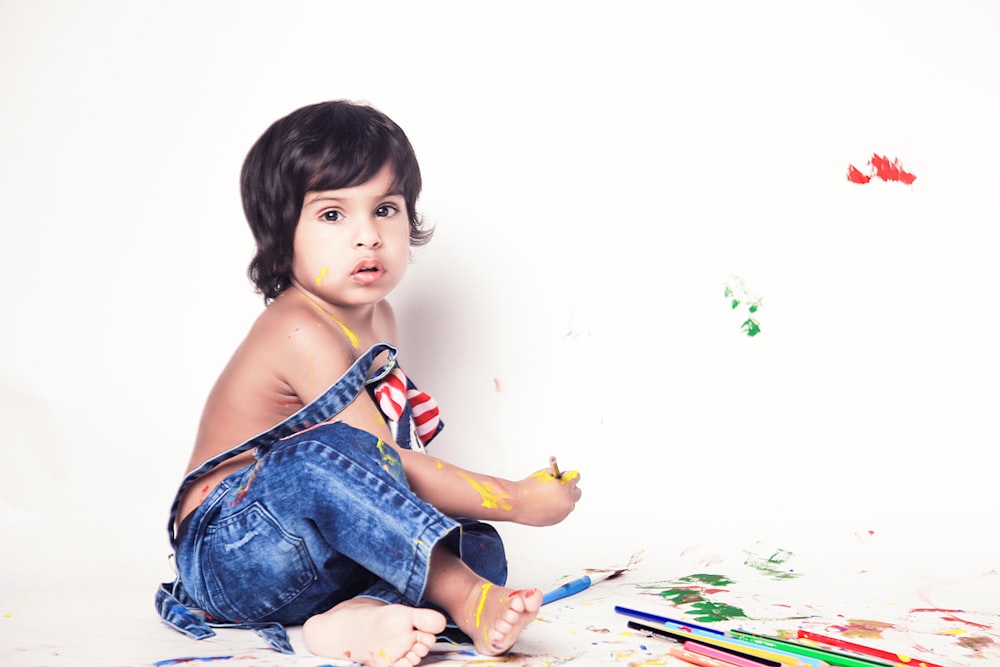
(352, 245)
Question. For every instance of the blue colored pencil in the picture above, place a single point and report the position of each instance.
(625, 611)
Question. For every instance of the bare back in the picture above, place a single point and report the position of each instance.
(293, 352)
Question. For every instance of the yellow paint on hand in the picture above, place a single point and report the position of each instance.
(955, 632)
(490, 498)
(569, 476)
(321, 276)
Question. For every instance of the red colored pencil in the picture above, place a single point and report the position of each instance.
(866, 650)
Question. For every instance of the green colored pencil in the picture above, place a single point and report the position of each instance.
(832, 657)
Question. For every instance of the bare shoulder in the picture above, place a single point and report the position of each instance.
(300, 347)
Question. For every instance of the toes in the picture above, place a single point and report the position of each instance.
(428, 621)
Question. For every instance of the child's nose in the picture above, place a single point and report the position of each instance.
(367, 235)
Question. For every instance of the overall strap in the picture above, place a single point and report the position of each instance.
(337, 397)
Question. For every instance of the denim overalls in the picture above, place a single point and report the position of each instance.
(324, 515)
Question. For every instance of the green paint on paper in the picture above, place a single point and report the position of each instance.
(708, 612)
(681, 596)
(707, 579)
(691, 594)
(773, 566)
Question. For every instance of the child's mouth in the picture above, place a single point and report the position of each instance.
(367, 271)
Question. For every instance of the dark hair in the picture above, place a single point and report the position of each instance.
(325, 146)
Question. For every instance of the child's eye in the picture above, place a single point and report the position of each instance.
(331, 216)
(386, 210)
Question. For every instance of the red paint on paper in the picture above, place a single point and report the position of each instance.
(881, 167)
(956, 619)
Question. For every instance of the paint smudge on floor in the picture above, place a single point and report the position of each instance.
(10, 614)
(862, 628)
(880, 167)
(773, 565)
(977, 643)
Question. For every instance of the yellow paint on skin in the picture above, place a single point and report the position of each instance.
(490, 499)
(955, 632)
(479, 610)
(321, 276)
(351, 336)
(546, 476)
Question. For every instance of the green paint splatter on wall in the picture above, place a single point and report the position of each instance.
(773, 566)
(737, 294)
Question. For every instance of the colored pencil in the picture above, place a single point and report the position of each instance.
(625, 611)
(866, 650)
(831, 656)
(728, 658)
(700, 659)
(772, 657)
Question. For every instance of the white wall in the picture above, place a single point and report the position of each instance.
(596, 172)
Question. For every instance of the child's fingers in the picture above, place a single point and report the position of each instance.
(570, 477)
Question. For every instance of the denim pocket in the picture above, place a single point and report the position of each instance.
(253, 567)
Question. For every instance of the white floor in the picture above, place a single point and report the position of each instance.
(88, 612)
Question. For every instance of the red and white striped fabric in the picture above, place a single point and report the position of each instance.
(392, 395)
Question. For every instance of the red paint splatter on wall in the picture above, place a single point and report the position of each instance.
(855, 176)
(881, 167)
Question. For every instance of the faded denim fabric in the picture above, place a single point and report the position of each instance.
(323, 515)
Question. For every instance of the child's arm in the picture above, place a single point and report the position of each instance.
(314, 356)
(538, 500)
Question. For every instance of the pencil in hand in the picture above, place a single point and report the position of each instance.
(554, 468)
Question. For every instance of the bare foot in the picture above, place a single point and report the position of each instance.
(373, 633)
(496, 616)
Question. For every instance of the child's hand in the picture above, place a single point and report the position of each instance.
(543, 499)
